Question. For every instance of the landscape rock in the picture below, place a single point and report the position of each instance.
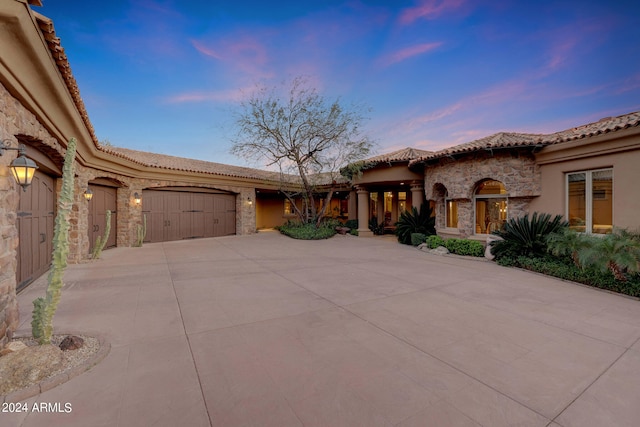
(440, 250)
(71, 342)
(487, 252)
(28, 366)
(343, 230)
(12, 347)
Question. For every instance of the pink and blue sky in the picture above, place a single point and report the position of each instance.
(166, 75)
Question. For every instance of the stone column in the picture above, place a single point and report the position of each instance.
(353, 205)
(417, 195)
(363, 213)
(79, 218)
(130, 214)
(246, 212)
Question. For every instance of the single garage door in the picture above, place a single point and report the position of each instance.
(104, 198)
(176, 215)
(35, 229)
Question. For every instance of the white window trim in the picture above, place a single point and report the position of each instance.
(588, 202)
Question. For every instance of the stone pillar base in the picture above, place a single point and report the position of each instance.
(365, 233)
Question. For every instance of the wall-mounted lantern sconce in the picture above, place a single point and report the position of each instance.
(249, 200)
(22, 167)
(88, 195)
(137, 198)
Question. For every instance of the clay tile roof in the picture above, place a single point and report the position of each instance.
(606, 125)
(189, 165)
(403, 155)
(60, 57)
(496, 141)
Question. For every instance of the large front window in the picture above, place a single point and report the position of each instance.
(490, 206)
(590, 201)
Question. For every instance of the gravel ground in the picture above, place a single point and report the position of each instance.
(72, 358)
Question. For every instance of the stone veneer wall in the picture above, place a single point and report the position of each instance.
(515, 168)
(15, 120)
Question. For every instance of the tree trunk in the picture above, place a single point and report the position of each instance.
(617, 271)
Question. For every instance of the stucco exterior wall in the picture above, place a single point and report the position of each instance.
(270, 212)
(622, 154)
(386, 173)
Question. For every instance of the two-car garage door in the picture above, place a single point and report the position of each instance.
(176, 215)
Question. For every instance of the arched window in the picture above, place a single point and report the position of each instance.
(450, 211)
(490, 206)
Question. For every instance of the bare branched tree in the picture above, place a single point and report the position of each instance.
(309, 139)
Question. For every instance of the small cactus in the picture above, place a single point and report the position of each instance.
(142, 232)
(101, 241)
(45, 308)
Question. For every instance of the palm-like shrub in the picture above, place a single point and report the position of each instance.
(415, 221)
(618, 252)
(569, 243)
(526, 236)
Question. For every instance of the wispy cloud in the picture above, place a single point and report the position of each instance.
(239, 53)
(232, 95)
(428, 9)
(408, 52)
(205, 50)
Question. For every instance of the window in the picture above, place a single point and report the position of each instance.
(402, 202)
(590, 201)
(287, 207)
(451, 213)
(490, 206)
(373, 204)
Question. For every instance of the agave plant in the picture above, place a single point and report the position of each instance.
(415, 221)
(526, 236)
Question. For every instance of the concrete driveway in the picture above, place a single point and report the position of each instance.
(263, 330)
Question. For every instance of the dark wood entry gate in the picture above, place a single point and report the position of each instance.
(103, 198)
(35, 229)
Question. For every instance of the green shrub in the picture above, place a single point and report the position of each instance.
(353, 232)
(434, 241)
(414, 221)
(297, 230)
(377, 229)
(564, 268)
(464, 247)
(352, 224)
(618, 252)
(526, 236)
(418, 238)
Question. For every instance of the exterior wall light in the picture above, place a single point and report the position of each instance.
(249, 200)
(22, 167)
(137, 198)
(88, 195)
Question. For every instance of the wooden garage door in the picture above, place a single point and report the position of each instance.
(176, 215)
(35, 229)
(103, 198)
